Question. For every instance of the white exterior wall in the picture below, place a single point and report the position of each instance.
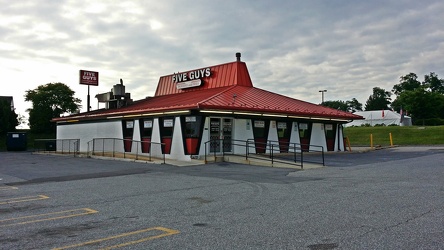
(156, 150)
(340, 136)
(177, 146)
(294, 136)
(272, 137)
(318, 137)
(88, 131)
(136, 147)
(243, 130)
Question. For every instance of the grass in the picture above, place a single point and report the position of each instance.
(358, 136)
(402, 136)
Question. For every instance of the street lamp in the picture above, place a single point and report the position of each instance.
(323, 91)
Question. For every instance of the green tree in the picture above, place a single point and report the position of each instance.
(49, 101)
(8, 117)
(407, 82)
(349, 106)
(340, 105)
(433, 83)
(379, 100)
(353, 105)
(422, 101)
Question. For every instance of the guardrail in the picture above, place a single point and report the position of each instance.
(292, 154)
(63, 146)
(115, 147)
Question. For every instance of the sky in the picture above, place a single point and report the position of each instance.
(294, 48)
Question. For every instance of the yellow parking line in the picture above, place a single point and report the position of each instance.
(23, 199)
(46, 217)
(167, 232)
(3, 188)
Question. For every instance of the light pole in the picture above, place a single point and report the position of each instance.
(323, 91)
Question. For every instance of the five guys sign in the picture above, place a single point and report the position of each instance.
(89, 77)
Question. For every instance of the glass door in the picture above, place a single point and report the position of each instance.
(227, 134)
(221, 134)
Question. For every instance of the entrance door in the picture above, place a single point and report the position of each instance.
(221, 134)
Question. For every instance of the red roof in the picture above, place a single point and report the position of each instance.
(228, 88)
(228, 74)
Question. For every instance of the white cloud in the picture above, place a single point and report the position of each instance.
(291, 47)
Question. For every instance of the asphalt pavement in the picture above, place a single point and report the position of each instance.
(382, 199)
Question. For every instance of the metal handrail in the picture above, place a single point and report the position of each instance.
(269, 147)
(91, 147)
(273, 146)
(300, 146)
(63, 146)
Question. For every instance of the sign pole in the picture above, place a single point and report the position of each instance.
(88, 101)
(88, 78)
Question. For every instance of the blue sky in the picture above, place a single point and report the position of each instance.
(294, 48)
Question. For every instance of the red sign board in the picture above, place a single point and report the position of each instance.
(89, 77)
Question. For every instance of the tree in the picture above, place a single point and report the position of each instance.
(423, 101)
(354, 105)
(420, 103)
(407, 82)
(379, 100)
(349, 106)
(433, 83)
(8, 117)
(49, 101)
(340, 105)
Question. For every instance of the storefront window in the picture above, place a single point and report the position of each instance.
(192, 126)
(283, 129)
(303, 130)
(167, 126)
(259, 129)
(329, 130)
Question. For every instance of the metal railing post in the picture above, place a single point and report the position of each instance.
(302, 158)
(163, 156)
(214, 150)
(124, 151)
(323, 159)
(271, 154)
(205, 156)
(137, 150)
(151, 150)
(247, 149)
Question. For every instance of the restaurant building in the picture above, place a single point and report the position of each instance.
(208, 110)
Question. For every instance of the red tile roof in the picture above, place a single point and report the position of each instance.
(229, 88)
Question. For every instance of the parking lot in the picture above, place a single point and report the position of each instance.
(383, 199)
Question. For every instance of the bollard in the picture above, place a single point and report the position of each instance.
(371, 141)
(348, 144)
(391, 140)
